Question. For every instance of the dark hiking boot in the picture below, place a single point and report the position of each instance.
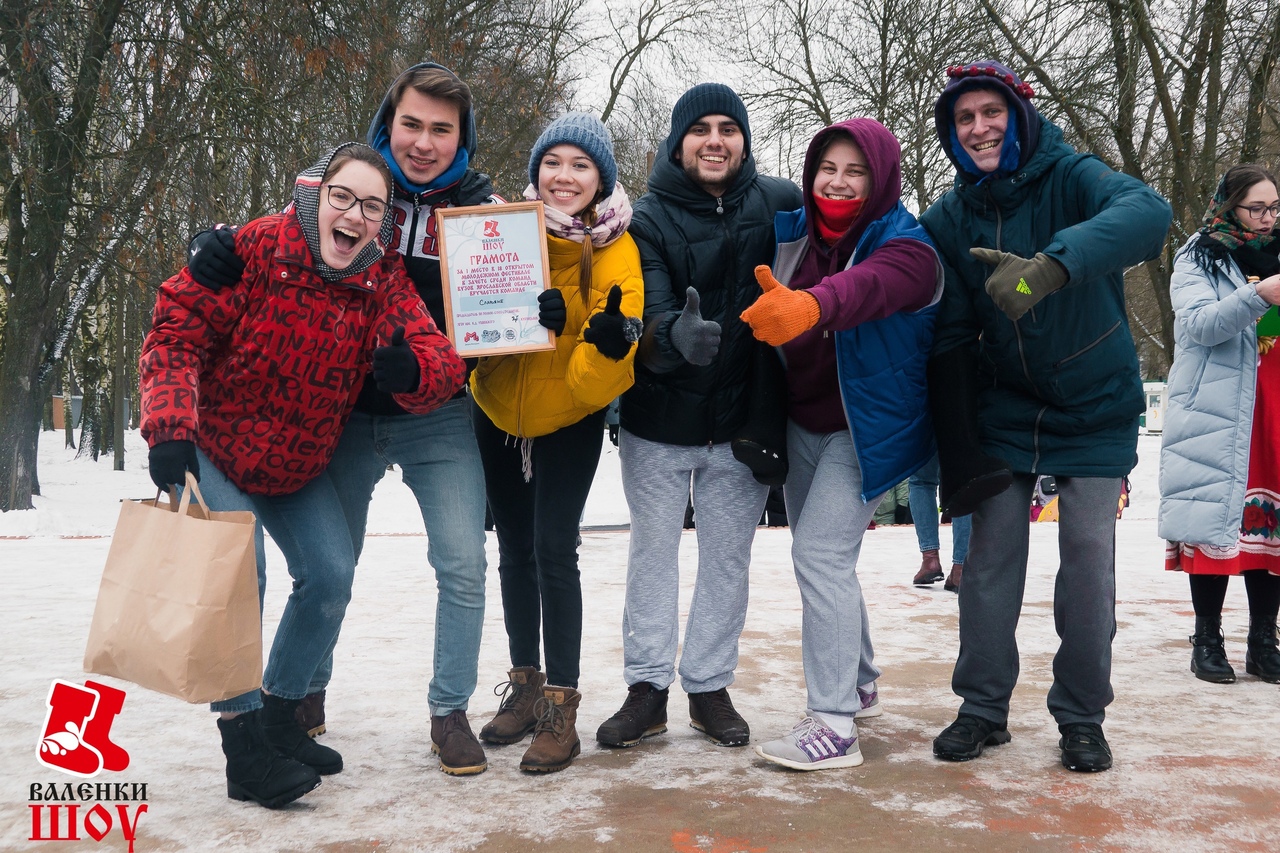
(311, 714)
(1084, 749)
(1263, 656)
(930, 569)
(555, 737)
(642, 715)
(451, 739)
(1208, 656)
(255, 771)
(515, 717)
(280, 723)
(965, 738)
(713, 714)
(953, 579)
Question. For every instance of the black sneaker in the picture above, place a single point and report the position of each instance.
(642, 715)
(965, 738)
(1084, 748)
(713, 714)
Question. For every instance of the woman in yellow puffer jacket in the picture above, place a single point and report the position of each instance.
(539, 421)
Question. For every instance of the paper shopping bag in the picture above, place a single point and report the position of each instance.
(177, 610)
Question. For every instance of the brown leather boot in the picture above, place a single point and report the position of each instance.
(953, 579)
(555, 740)
(515, 718)
(930, 569)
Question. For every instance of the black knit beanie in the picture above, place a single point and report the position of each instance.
(707, 99)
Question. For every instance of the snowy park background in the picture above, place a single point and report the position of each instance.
(1195, 763)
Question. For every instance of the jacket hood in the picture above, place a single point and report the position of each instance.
(1011, 190)
(884, 159)
(379, 136)
(1019, 146)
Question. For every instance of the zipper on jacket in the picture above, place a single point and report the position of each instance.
(1088, 347)
(1035, 440)
(720, 205)
(1017, 332)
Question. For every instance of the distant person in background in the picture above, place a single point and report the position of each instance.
(1220, 451)
(923, 493)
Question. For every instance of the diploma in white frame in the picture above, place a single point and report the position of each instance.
(493, 265)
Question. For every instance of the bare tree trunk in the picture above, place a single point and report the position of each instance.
(119, 377)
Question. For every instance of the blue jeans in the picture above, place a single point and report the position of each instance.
(308, 527)
(923, 496)
(441, 465)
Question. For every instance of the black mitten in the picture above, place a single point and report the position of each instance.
(169, 462)
(609, 331)
(395, 367)
(551, 310)
(212, 258)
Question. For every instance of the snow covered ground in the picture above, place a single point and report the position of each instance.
(1195, 763)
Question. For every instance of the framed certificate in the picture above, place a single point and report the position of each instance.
(493, 265)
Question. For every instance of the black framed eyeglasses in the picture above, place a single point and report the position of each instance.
(1257, 211)
(341, 198)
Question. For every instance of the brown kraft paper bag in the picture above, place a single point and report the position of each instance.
(178, 610)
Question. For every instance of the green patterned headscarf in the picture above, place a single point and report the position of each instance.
(1222, 225)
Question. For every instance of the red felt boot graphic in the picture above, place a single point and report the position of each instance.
(97, 732)
(62, 745)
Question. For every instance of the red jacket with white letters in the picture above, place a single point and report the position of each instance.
(263, 376)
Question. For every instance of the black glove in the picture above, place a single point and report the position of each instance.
(609, 331)
(613, 434)
(551, 311)
(696, 339)
(395, 367)
(212, 258)
(169, 462)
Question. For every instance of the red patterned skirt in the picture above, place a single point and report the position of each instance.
(1259, 544)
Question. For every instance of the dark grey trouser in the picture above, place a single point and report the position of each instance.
(1084, 600)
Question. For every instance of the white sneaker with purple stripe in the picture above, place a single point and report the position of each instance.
(869, 698)
(812, 745)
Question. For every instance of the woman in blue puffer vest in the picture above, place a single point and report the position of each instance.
(851, 302)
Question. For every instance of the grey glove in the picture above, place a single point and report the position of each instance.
(696, 339)
(1019, 283)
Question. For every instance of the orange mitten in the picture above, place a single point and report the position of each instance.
(780, 314)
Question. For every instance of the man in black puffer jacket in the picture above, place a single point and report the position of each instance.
(703, 226)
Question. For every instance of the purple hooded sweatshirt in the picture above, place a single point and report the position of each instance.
(899, 276)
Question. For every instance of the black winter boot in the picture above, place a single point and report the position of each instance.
(761, 444)
(1263, 657)
(255, 771)
(286, 734)
(967, 476)
(1208, 657)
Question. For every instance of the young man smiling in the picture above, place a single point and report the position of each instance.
(703, 226)
(425, 130)
(1033, 363)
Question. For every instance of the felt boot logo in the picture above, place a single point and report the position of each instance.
(76, 738)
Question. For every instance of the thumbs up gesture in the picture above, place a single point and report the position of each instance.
(696, 339)
(395, 367)
(780, 314)
(609, 331)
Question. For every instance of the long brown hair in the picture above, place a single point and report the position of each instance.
(588, 218)
(1239, 179)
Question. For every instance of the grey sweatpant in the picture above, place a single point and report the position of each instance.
(1084, 600)
(828, 519)
(727, 502)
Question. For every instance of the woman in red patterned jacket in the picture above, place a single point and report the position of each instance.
(250, 386)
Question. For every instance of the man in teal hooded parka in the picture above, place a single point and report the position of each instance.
(1034, 365)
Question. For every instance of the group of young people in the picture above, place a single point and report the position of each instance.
(755, 330)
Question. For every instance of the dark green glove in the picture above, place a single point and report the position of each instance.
(1019, 283)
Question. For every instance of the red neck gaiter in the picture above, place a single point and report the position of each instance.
(835, 216)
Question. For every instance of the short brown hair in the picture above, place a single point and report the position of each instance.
(433, 83)
(361, 153)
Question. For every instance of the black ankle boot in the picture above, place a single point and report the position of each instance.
(255, 771)
(1263, 657)
(286, 734)
(1208, 657)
